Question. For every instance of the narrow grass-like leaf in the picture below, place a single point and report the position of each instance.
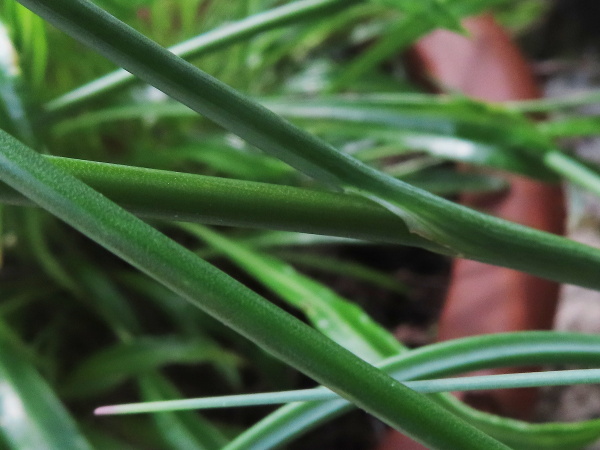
(572, 126)
(466, 232)
(196, 198)
(350, 269)
(29, 34)
(440, 12)
(12, 91)
(251, 315)
(572, 169)
(34, 223)
(106, 298)
(232, 33)
(474, 383)
(109, 367)
(270, 239)
(449, 358)
(400, 35)
(544, 105)
(2, 244)
(450, 182)
(31, 414)
(455, 129)
(185, 317)
(334, 316)
(419, 19)
(459, 130)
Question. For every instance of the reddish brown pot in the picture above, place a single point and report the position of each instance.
(483, 298)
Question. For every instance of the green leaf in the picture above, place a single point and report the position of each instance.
(449, 182)
(454, 357)
(211, 41)
(13, 112)
(542, 105)
(181, 430)
(456, 130)
(179, 196)
(350, 269)
(463, 231)
(419, 19)
(337, 318)
(430, 386)
(572, 126)
(114, 365)
(31, 415)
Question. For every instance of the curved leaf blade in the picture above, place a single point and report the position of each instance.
(113, 365)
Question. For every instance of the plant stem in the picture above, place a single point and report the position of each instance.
(161, 194)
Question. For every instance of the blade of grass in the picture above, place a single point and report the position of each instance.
(139, 354)
(450, 358)
(332, 318)
(226, 35)
(573, 169)
(196, 198)
(12, 90)
(29, 32)
(416, 120)
(225, 299)
(351, 269)
(477, 139)
(450, 182)
(470, 131)
(103, 296)
(421, 18)
(340, 320)
(464, 231)
(473, 383)
(335, 317)
(35, 225)
(572, 126)
(113, 365)
(545, 105)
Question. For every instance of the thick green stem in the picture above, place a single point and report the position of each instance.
(161, 194)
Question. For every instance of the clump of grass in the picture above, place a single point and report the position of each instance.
(327, 173)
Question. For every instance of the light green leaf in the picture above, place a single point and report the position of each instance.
(337, 318)
(114, 365)
(454, 357)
